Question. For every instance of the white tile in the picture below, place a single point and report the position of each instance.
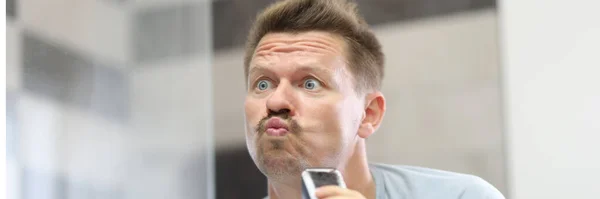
(13, 56)
(95, 28)
(41, 126)
(171, 124)
(171, 104)
(93, 147)
(145, 4)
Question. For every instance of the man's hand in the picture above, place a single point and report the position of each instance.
(336, 192)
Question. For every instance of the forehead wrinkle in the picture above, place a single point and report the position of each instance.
(295, 67)
(327, 42)
(271, 55)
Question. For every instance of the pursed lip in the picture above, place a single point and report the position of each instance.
(276, 127)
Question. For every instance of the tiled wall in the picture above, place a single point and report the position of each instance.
(109, 99)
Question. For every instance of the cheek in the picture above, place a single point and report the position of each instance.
(351, 115)
(323, 123)
(325, 115)
(253, 113)
(336, 123)
(325, 137)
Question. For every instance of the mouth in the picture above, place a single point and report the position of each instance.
(276, 127)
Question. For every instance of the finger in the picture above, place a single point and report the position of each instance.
(336, 197)
(328, 191)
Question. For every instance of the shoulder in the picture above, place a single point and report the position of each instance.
(479, 188)
(419, 182)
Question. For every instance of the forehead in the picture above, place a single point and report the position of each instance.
(314, 48)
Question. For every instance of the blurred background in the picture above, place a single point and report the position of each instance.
(144, 98)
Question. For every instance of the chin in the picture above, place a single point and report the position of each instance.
(280, 160)
(280, 166)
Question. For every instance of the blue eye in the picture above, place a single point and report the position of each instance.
(311, 84)
(263, 85)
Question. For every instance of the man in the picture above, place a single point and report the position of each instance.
(314, 72)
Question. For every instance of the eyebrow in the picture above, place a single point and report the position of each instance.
(257, 69)
(318, 70)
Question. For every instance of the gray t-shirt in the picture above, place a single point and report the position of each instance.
(409, 182)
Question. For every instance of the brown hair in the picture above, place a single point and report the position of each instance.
(340, 17)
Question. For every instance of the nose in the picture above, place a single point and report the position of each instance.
(281, 100)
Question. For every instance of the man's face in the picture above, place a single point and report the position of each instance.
(301, 108)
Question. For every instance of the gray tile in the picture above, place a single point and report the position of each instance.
(384, 11)
(232, 18)
(11, 9)
(174, 30)
(235, 170)
(68, 77)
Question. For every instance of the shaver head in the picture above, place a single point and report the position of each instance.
(314, 178)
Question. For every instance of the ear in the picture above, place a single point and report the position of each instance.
(373, 114)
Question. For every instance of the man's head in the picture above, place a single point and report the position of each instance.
(313, 71)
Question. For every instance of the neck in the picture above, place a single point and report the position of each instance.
(355, 171)
(283, 190)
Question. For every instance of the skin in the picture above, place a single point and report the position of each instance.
(305, 79)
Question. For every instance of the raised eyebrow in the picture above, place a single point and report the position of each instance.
(257, 69)
(263, 69)
(314, 69)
